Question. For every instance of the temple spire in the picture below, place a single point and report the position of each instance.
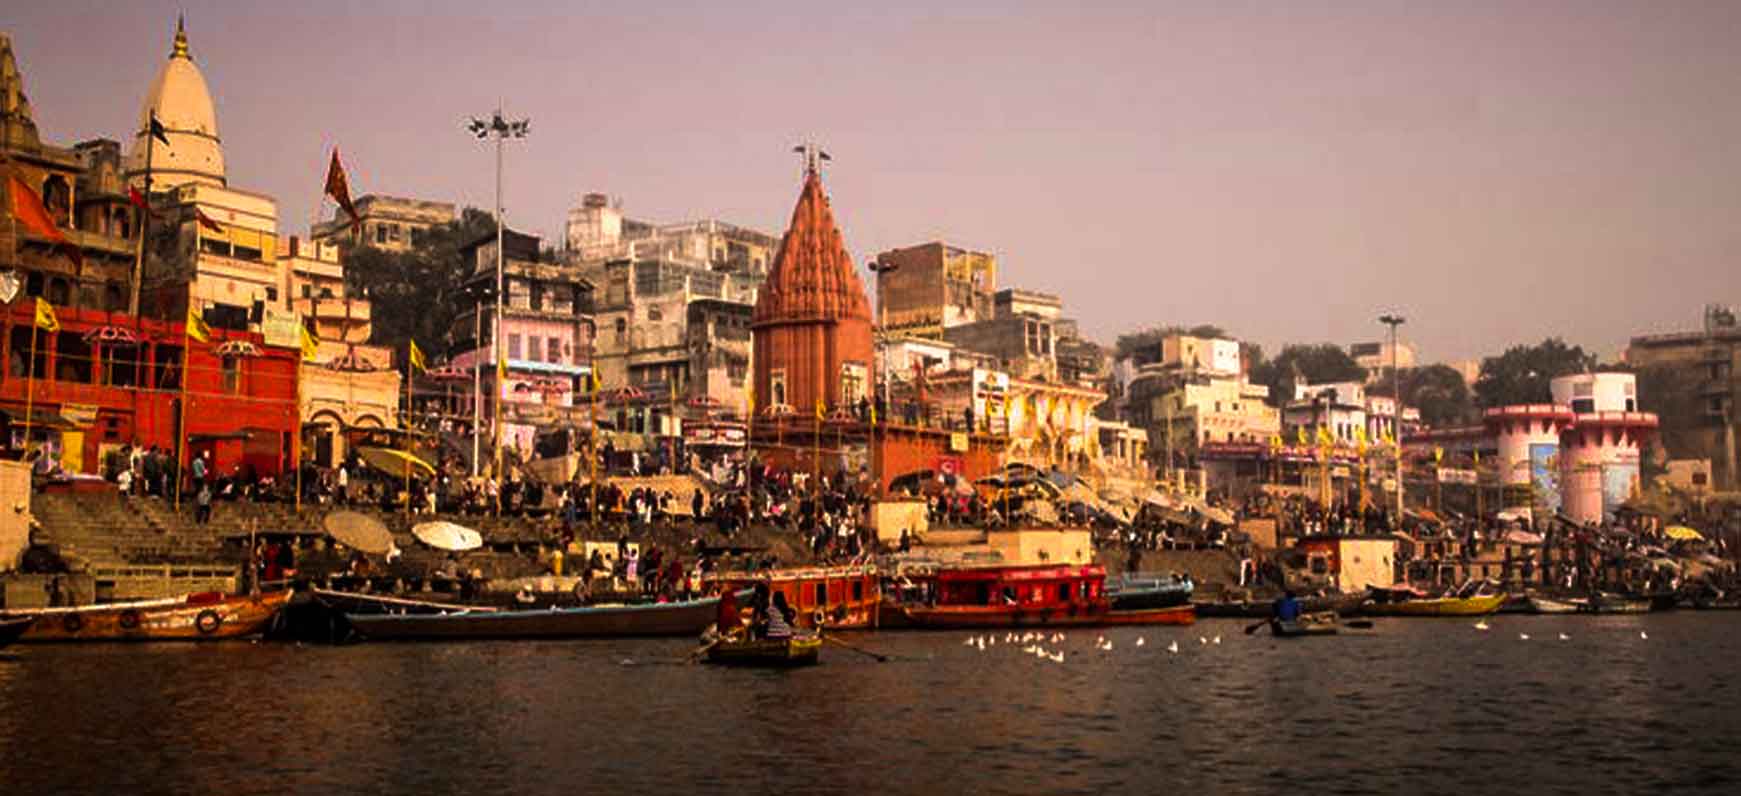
(813, 155)
(180, 50)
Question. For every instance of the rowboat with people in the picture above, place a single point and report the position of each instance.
(206, 616)
(1315, 624)
(803, 648)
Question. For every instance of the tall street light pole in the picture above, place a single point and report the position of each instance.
(501, 129)
(1394, 321)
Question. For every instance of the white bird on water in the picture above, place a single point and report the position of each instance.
(1644, 635)
(982, 643)
(1202, 640)
(1217, 640)
(1523, 636)
(968, 642)
(1057, 657)
(1173, 647)
(1564, 637)
(1482, 625)
(1141, 641)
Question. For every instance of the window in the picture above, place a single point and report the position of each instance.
(232, 375)
(857, 590)
(533, 344)
(553, 350)
(307, 290)
(1583, 405)
(653, 314)
(380, 233)
(777, 386)
(821, 594)
(513, 346)
(622, 328)
(271, 294)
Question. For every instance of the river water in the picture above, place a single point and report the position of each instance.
(1424, 706)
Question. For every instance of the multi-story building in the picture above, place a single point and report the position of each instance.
(547, 331)
(1710, 358)
(384, 222)
(927, 288)
(1345, 409)
(597, 231)
(655, 320)
(1200, 410)
(1376, 357)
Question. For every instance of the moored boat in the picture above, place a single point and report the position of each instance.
(1440, 606)
(1548, 605)
(1605, 603)
(1004, 596)
(1135, 590)
(11, 629)
(194, 617)
(800, 649)
(1176, 615)
(837, 598)
(686, 618)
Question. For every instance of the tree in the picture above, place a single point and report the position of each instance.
(1522, 374)
(415, 293)
(1439, 391)
(1144, 345)
(1319, 363)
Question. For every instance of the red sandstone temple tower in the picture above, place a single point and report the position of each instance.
(812, 325)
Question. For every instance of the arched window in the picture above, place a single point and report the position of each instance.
(57, 196)
(59, 291)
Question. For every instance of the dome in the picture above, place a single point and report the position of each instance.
(184, 108)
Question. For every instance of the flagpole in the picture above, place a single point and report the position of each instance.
(405, 420)
(144, 222)
(181, 423)
(296, 436)
(592, 447)
(30, 386)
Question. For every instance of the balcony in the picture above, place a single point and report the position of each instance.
(333, 309)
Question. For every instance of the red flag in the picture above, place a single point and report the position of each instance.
(207, 221)
(28, 209)
(137, 199)
(339, 189)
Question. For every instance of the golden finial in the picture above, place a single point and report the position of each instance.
(180, 38)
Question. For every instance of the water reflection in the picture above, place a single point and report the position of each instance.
(1419, 705)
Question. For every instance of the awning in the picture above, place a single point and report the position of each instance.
(39, 418)
(1683, 533)
(397, 462)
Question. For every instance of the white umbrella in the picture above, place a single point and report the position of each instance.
(443, 535)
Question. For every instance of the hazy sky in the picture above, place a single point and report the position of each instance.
(1498, 172)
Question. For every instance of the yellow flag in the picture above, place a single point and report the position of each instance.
(1300, 436)
(196, 326)
(1275, 442)
(1360, 439)
(417, 360)
(310, 345)
(592, 378)
(1438, 455)
(1324, 438)
(502, 378)
(1477, 458)
(821, 408)
(750, 400)
(45, 319)
(873, 414)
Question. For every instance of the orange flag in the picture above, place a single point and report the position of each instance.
(339, 188)
(28, 209)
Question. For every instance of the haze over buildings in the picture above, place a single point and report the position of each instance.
(1285, 170)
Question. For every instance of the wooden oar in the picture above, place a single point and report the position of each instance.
(1358, 624)
(859, 650)
(1252, 628)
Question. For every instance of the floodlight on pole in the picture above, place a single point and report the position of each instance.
(501, 129)
(1393, 321)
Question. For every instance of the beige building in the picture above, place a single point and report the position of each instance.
(385, 222)
(597, 232)
(1709, 358)
(673, 327)
(350, 384)
(924, 289)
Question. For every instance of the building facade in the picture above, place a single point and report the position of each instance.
(1709, 358)
(924, 289)
(384, 222)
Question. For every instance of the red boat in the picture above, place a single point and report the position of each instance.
(1175, 615)
(1046, 595)
(834, 598)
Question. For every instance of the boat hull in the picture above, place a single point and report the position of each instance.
(1442, 606)
(1548, 605)
(1176, 615)
(159, 620)
(607, 621)
(1133, 592)
(802, 650)
(1302, 628)
(966, 617)
(1339, 604)
(11, 629)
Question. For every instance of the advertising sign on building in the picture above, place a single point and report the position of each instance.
(1544, 476)
(279, 328)
(989, 389)
(1451, 475)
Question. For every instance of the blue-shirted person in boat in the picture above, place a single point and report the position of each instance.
(1287, 607)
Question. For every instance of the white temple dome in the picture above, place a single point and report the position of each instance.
(184, 108)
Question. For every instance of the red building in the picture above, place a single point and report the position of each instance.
(811, 323)
(105, 380)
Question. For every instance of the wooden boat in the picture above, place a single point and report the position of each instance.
(194, 617)
(687, 618)
(1176, 615)
(837, 598)
(1617, 604)
(1480, 605)
(1134, 590)
(11, 629)
(1321, 624)
(1004, 596)
(350, 602)
(801, 649)
(1340, 604)
(1548, 605)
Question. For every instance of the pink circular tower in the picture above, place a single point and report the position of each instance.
(1528, 439)
(1599, 452)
